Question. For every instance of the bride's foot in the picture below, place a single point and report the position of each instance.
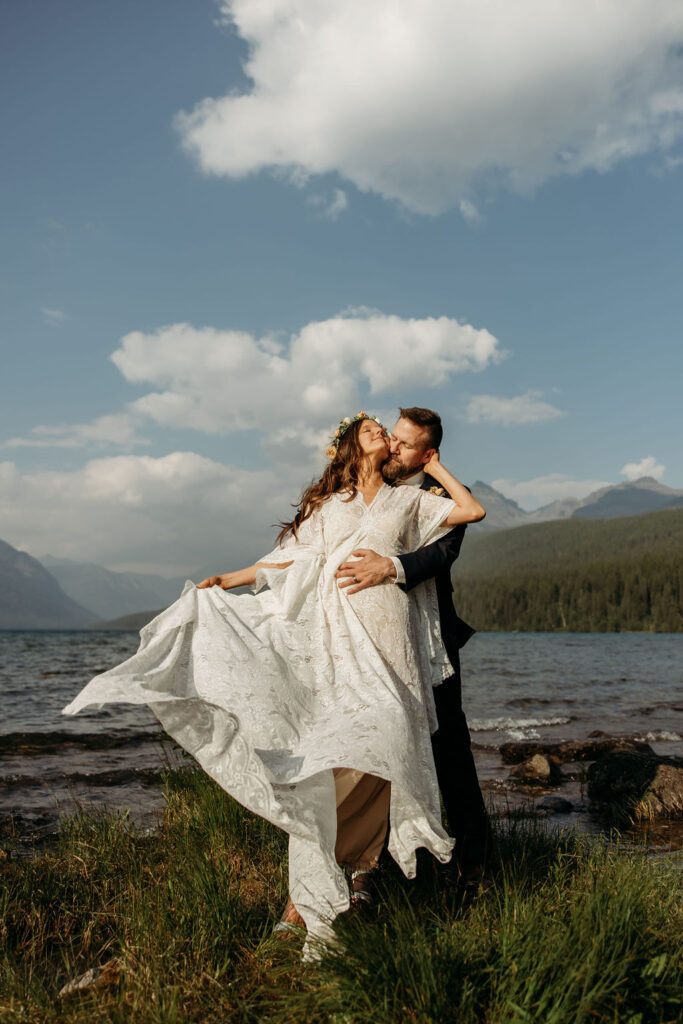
(291, 922)
(361, 887)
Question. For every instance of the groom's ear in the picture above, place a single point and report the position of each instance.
(427, 454)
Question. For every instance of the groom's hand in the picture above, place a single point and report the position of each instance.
(369, 570)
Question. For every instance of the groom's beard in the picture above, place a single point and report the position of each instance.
(393, 470)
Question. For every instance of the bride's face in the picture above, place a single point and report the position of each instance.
(373, 439)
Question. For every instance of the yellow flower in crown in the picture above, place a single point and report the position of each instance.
(344, 425)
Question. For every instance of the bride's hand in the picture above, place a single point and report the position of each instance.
(216, 581)
(433, 463)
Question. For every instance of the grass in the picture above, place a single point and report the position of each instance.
(571, 931)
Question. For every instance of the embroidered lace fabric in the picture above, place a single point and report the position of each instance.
(270, 691)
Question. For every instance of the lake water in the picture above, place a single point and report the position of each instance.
(546, 686)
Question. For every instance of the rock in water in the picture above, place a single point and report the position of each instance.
(516, 751)
(555, 805)
(537, 771)
(637, 787)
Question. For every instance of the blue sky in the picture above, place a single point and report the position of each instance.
(263, 220)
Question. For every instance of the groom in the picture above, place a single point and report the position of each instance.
(414, 439)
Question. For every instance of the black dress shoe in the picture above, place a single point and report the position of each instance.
(475, 876)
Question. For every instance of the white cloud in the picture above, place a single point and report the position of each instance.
(225, 381)
(53, 317)
(331, 207)
(510, 412)
(646, 467)
(427, 102)
(469, 211)
(542, 490)
(117, 429)
(171, 515)
(669, 163)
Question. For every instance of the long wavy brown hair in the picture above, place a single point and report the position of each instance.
(342, 474)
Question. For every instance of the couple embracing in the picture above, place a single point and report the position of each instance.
(328, 700)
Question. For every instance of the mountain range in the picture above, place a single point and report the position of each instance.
(59, 593)
(31, 598)
(628, 499)
(109, 594)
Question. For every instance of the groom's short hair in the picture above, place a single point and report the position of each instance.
(429, 420)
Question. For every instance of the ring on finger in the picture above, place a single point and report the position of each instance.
(355, 579)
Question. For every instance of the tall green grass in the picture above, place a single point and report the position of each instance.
(570, 931)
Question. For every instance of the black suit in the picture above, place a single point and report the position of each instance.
(455, 768)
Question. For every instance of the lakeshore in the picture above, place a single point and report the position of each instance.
(173, 888)
(571, 929)
(551, 690)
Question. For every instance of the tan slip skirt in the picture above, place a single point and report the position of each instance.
(362, 817)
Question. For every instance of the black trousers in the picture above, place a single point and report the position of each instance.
(467, 820)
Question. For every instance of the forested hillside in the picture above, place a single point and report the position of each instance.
(576, 575)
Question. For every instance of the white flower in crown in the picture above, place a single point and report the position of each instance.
(437, 490)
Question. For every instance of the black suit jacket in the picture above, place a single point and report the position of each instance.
(434, 562)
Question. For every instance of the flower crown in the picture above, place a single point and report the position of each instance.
(344, 426)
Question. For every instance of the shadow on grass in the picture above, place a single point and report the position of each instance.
(569, 931)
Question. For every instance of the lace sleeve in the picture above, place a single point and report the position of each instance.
(430, 511)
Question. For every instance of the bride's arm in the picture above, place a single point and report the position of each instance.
(469, 510)
(241, 578)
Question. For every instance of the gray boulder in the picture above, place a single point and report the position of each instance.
(515, 752)
(631, 786)
(537, 771)
(554, 805)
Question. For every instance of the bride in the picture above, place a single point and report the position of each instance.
(311, 707)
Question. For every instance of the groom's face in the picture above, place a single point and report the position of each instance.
(409, 450)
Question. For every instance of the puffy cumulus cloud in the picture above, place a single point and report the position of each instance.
(510, 412)
(542, 490)
(224, 381)
(426, 102)
(646, 467)
(172, 515)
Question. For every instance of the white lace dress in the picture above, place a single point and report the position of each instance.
(270, 691)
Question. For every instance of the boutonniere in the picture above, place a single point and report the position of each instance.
(437, 490)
